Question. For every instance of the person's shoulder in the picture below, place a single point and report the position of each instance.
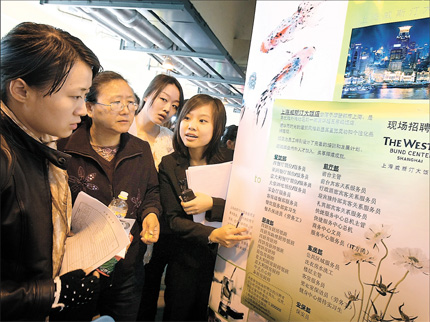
(163, 143)
(164, 131)
(170, 157)
(170, 160)
(133, 145)
(136, 142)
(224, 155)
(7, 158)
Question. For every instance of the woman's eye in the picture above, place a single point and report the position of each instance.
(203, 121)
(77, 97)
(163, 99)
(186, 118)
(175, 107)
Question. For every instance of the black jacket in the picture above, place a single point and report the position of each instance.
(27, 287)
(193, 247)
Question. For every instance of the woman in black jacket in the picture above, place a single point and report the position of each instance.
(189, 274)
(45, 74)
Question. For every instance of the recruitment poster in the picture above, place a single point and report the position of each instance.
(331, 167)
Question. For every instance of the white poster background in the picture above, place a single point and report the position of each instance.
(248, 166)
(247, 190)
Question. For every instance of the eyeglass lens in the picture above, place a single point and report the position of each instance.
(118, 106)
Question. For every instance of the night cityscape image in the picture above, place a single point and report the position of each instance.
(389, 61)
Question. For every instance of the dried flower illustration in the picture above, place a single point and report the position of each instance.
(357, 255)
(403, 316)
(413, 259)
(377, 233)
(351, 299)
(376, 317)
(381, 288)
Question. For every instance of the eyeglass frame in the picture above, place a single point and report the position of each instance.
(134, 104)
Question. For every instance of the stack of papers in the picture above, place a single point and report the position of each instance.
(98, 235)
(212, 180)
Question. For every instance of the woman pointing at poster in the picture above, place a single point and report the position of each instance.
(189, 275)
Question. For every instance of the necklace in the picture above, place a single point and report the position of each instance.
(106, 152)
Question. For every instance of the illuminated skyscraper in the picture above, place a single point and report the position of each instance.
(400, 50)
(404, 36)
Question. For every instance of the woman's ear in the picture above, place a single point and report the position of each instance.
(89, 109)
(230, 144)
(19, 90)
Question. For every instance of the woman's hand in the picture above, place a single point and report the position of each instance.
(199, 204)
(150, 229)
(228, 235)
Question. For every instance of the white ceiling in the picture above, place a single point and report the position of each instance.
(207, 41)
(231, 22)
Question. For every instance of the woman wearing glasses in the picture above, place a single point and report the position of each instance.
(106, 160)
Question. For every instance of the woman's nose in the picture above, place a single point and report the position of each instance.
(82, 109)
(166, 108)
(191, 125)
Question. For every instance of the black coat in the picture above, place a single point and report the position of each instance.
(27, 287)
(193, 247)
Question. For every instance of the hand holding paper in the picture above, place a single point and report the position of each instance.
(211, 180)
(97, 235)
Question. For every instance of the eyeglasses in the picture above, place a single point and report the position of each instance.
(118, 106)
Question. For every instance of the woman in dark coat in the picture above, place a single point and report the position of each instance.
(189, 274)
(45, 74)
(106, 160)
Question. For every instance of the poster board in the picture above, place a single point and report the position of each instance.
(335, 186)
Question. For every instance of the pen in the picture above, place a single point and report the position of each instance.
(240, 218)
(233, 272)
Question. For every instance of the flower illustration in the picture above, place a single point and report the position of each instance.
(381, 288)
(413, 259)
(376, 233)
(357, 255)
(352, 298)
(403, 316)
(136, 201)
(376, 317)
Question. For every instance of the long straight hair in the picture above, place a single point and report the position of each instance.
(157, 85)
(219, 119)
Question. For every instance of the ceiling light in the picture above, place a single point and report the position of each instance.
(168, 64)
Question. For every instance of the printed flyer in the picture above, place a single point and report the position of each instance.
(344, 231)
